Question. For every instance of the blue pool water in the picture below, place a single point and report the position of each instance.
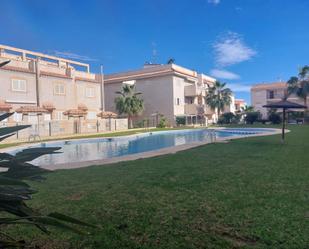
(103, 148)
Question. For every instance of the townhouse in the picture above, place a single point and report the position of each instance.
(239, 105)
(266, 93)
(58, 89)
(170, 90)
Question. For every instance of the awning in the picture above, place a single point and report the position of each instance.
(75, 113)
(107, 115)
(31, 109)
(49, 106)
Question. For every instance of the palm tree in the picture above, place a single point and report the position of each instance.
(300, 86)
(129, 103)
(218, 97)
(247, 108)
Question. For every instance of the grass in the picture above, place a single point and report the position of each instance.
(248, 193)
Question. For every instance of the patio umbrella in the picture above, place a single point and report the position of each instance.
(284, 104)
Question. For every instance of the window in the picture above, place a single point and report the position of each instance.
(271, 94)
(59, 115)
(189, 100)
(19, 85)
(89, 92)
(59, 89)
(177, 101)
(91, 115)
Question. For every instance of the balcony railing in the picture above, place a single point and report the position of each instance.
(194, 90)
(195, 109)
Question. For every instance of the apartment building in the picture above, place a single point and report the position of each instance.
(171, 90)
(239, 104)
(266, 93)
(59, 89)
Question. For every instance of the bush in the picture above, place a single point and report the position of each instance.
(180, 121)
(229, 118)
(162, 123)
(274, 118)
(226, 118)
(252, 117)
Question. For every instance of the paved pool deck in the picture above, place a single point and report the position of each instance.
(154, 153)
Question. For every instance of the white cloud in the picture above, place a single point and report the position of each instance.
(214, 2)
(230, 49)
(239, 87)
(224, 74)
(73, 56)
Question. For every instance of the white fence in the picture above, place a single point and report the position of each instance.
(55, 128)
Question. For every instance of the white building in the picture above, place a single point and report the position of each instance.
(171, 90)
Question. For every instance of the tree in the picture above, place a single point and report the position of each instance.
(129, 103)
(300, 86)
(247, 109)
(228, 118)
(218, 97)
(274, 116)
(252, 117)
(15, 191)
(163, 121)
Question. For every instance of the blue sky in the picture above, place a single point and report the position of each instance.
(242, 42)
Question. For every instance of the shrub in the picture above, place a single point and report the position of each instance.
(226, 118)
(229, 118)
(274, 118)
(163, 122)
(180, 121)
(252, 117)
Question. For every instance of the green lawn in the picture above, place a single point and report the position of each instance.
(248, 193)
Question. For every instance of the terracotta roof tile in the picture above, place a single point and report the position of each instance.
(31, 109)
(88, 80)
(17, 69)
(107, 114)
(75, 112)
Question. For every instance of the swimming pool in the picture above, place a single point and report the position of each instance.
(83, 150)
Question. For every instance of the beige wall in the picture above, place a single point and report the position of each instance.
(156, 92)
(258, 99)
(75, 89)
(13, 97)
(260, 96)
(61, 102)
(93, 103)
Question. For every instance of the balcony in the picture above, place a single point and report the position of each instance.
(194, 109)
(194, 90)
